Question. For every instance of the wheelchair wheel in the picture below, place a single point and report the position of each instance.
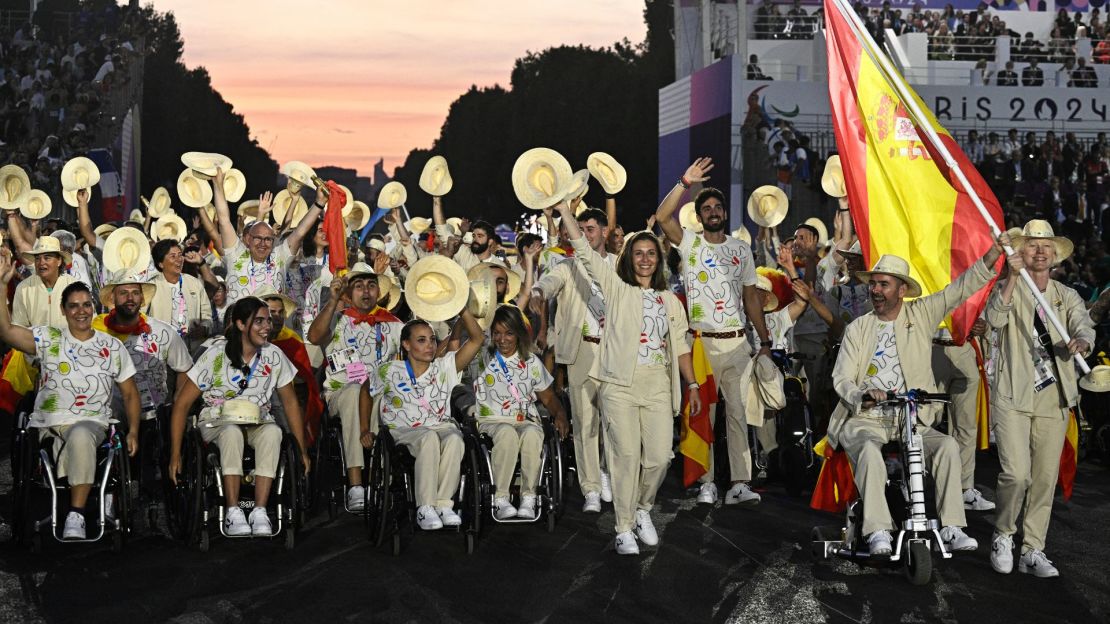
(918, 565)
(379, 508)
(122, 499)
(792, 460)
(203, 541)
(193, 475)
(473, 491)
(23, 482)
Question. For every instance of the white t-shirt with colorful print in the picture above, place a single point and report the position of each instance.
(218, 380)
(422, 401)
(715, 276)
(245, 276)
(506, 389)
(152, 354)
(364, 345)
(653, 330)
(77, 377)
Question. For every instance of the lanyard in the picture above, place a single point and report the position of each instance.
(412, 388)
(267, 267)
(181, 318)
(378, 349)
(247, 381)
(508, 378)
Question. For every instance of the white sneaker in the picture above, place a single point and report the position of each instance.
(955, 539)
(606, 487)
(356, 498)
(527, 507)
(626, 544)
(503, 509)
(75, 526)
(645, 530)
(593, 503)
(878, 543)
(1033, 562)
(448, 516)
(260, 523)
(235, 523)
(974, 501)
(741, 494)
(1002, 553)
(707, 494)
(427, 518)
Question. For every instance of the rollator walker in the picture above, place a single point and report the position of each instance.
(918, 533)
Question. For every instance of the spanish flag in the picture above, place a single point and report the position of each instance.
(836, 486)
(982, 400)
(697, 429)
(1069, 456)
(17, 378)
(904, 198)
(293, 348)
(335, 229)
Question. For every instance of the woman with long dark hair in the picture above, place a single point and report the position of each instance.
(506, 393)
(235, 372)
(640, 394)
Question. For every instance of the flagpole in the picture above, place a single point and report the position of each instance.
(895, 80)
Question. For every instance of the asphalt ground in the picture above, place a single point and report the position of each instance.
(714, 564)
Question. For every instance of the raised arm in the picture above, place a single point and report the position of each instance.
(297, 236)
(437, 211)
(470, 348)
(22, 237)
(611, 212)
(318, 332)
(14, 335)
(664, 214)
(606, 279)
(209, 227)
(84, 223)
(229, 238)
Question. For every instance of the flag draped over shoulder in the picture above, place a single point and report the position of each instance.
(293, 348)
(904, 198)
(16, 379)
(697, 430)
(1069, 456)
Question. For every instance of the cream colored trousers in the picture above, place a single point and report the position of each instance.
(264, 439)
(639, 423)
(730, 357)
(1029, 447)
(78, 443)
(438, 451)
(512, 440)
(957, 374)
(344, 404)
(863, 437)
(584, 412)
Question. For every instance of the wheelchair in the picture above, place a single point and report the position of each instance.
(198, 499)
(329, 480)
(390, 490)
(793, 461)
(918, 529)
(35, 471)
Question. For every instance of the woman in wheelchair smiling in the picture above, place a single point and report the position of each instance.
(235, 372)
(506, 393)
(415, 406)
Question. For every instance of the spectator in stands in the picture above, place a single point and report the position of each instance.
(798, 22)
(980, 75)
(1059, 47)
(942, 45)
(1063, 25)
(1032, 76)
(1084, 75)
(1031, 49)
(754, 72)
(1063, 74)
(1007, 77)
(972, 147)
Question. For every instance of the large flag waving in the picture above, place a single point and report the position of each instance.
(904, 198)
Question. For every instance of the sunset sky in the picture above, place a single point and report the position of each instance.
(379, 82)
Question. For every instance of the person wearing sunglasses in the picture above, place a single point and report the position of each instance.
(242, 366)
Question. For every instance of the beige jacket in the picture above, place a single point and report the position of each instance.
(1013, 385)
(624, 314)
(913, 333)
(32, 305)
(569, 282)
(197, 305)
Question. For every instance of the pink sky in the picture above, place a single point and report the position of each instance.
(381, 82)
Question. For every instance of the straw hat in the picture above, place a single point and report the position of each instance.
(436, 288)
(890, 264)
(394, 292)
(832, 180)
(36, 204)
(356, 215)
(282, 202)
(192, 191)
(742, 234)
(575, 186)
(512, 288)
(14, 184)
(104, 229)
(248, 208)
(205, 163)
(418, 225)
(483, 291)
(46, 245)
(350, 198)
(393, 195)
(79, 173)
(455, 223)
(126, 248)
(386, 286)
(764, 284)
(537, 175)
(688, 219)
(607, 171)
(1038, 229)
(170, 226)
(240, 412)
(435, 179)
(136, 216)
(1098, 380)
(767, 205)
(298, 172)
(822, 231)
(126, 276)
(159, 204)
(235, 184)
(267, 292)
(768, 383)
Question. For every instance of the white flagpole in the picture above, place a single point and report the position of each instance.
(898, 83)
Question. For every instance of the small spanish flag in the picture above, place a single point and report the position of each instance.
(982, 401)
(697, 429)
(1069, 456)
(16, 380)
(836, 486)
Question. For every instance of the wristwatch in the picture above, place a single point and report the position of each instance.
(765, 343)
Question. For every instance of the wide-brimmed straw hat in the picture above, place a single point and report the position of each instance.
(267, 292)
(764, 284)
(822, 231)
(609, 173)
(743, 234)
(1098, 380)
(512, 288)
(46, 245)
(435, 179)
(36, 204)
(235, 185)
(436, 288)
(483, 292)
(79, 173)
(122, 277)
(574, 187)
(391, 296)
(159, 204)
(104, 229)
(393, 195)
(240, 412)
(204, 164)
(193, 191)
(768, 205)
(126, 248)
(1039, 229)
(418, 225)
(282, 203)
(356, 215)
(688, 218)
(538, 174)
(832, 180)
(171, 227)
(298, 172)
(890, 264)
(14, 184)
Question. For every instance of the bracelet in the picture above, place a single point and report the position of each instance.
(765, 343)
(693, 384)
(683, 183)
(318, 205)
